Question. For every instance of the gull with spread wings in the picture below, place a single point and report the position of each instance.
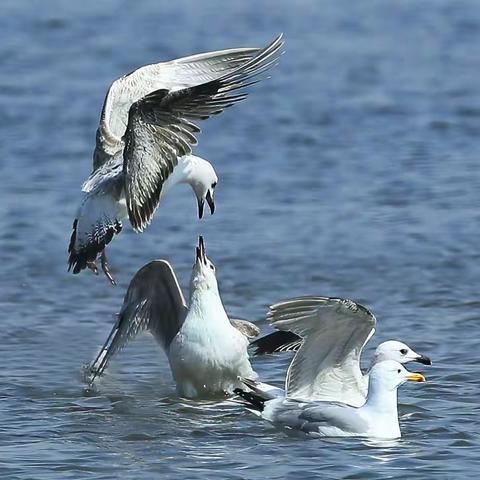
(206, 349)
(328, 335)
(147, 129)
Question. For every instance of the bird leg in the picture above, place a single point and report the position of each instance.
(105, 268)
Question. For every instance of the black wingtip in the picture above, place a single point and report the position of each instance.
(253, 400)
(278, 341)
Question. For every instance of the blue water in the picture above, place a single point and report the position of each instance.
(353, 172)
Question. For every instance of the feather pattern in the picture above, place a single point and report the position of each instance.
(161, 129)
(278, 341)
(246, 328)
(173, 75)
(99, 217)
(334, 332)
(154, 301)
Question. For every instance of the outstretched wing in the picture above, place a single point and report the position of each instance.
(176, 74)
(154, 302)
(334, 332)
(161, 129)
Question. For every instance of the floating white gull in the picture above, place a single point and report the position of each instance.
(147, 128)
(376, 418)
(328, 335)
(207, 351)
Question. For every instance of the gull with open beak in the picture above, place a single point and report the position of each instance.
(376, 418)
(207, 195)
(147, 130)
(103, 202)
(206, 349)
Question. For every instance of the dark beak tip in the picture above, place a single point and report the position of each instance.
(211, 202)
(201, 249)
(200, 209)
(424, 360)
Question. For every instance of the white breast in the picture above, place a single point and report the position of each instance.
(208, 355)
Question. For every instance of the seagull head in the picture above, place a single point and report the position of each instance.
(389, 375)
(203, 273)
(204, 180)
(400, 352)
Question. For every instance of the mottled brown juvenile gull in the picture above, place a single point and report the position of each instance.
(147, 130)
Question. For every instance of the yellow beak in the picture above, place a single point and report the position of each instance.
(416, 377)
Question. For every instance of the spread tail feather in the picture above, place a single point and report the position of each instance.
(97, 222)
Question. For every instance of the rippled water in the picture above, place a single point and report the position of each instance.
(353, 172)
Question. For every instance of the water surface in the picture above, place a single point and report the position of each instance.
(353, 172)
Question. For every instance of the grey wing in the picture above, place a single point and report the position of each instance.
(102, 176)
(334, 332)
(323, 417)
(153, 302)
(176, 74)
(246, 328)
(161, 130)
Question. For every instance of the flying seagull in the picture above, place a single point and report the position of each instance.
(103, 207)
(206, 349)
(328, 335)
(376, 418)
(147, 129)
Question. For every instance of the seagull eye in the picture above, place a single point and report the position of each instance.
(403, 351)
(212, 267)
(214, 184)
(399, 371)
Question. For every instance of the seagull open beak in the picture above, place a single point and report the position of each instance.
(423, 360)
(210, 201)
(416, 377)
(201, 203)
(200, 250)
